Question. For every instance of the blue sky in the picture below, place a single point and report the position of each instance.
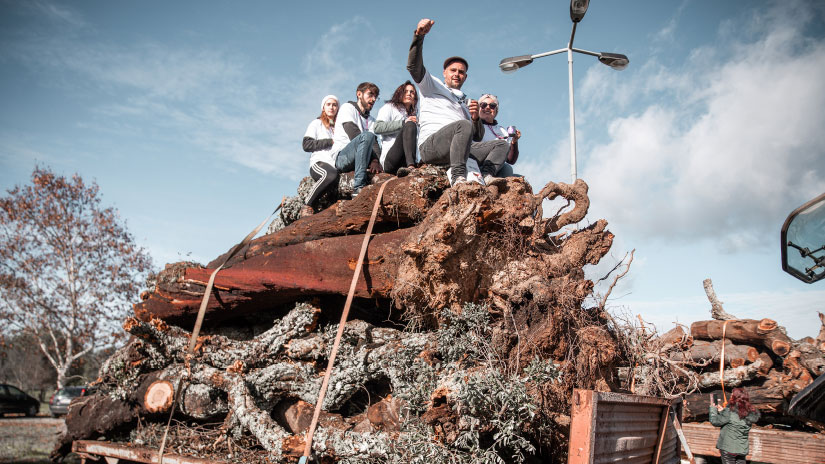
(189, 115)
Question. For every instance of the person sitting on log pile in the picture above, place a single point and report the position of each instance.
(397, 122)
(488, 108)
(318, 141)
(736, 420)
(354, 146)
(449, 123)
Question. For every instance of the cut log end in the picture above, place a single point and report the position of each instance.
(159, 396)
(767, 324)
(753, 354)
(780, 347)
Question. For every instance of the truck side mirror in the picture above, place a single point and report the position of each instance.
(803, 241)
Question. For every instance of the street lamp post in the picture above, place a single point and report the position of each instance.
(617, 61)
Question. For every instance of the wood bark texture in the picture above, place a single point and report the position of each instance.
(762, 332)
(435, 250)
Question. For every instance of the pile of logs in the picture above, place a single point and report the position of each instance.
(404, 366)
(758, 355)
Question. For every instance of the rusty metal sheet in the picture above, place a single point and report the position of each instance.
(766, 445)
(614, 427)
(133, 453)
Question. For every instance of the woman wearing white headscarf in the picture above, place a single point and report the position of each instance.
(318, 141)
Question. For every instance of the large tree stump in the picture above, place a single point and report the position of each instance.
(474, 243)
(436, 250)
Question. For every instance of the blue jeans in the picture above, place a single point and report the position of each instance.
(356, 156)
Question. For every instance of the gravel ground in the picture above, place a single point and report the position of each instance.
(29, 440)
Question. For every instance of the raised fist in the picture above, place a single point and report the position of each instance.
(424, 26)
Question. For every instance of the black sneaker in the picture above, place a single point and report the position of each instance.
(356, 191)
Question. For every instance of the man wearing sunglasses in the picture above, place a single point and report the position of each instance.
(448, 122)
(488, 108)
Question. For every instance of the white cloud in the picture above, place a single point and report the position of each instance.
(58, 13)
(667, 34)
(737, 146)
(221, 102)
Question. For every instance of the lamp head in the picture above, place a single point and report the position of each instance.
(510, 65)
(616, 61)
(577, 9)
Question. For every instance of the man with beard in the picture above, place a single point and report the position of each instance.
(353, 145)
(449, 123)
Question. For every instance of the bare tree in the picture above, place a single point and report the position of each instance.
(68, 267)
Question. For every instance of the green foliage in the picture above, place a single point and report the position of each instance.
(462, 336)
(496, 411)
(502, 408)
(541, 371)
(414, 380)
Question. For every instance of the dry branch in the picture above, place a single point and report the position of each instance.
(716, 310)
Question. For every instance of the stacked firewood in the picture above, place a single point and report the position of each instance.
(468, 332)
(758, 355)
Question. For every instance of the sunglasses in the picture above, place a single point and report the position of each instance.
(484, 105)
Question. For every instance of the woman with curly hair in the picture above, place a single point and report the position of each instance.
(736, 420)
(397, 124)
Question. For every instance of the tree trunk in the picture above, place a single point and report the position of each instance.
(752, 332)
(733, 377)
(471, 245)
(281, 275)
(404, 203)
(703, 351)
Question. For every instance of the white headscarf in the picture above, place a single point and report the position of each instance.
(328, 97)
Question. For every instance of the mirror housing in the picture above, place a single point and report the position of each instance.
(803, 241)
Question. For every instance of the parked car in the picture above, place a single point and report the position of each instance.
(59, 402)
(15, 400)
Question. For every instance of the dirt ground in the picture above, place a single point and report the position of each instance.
(29, 440)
